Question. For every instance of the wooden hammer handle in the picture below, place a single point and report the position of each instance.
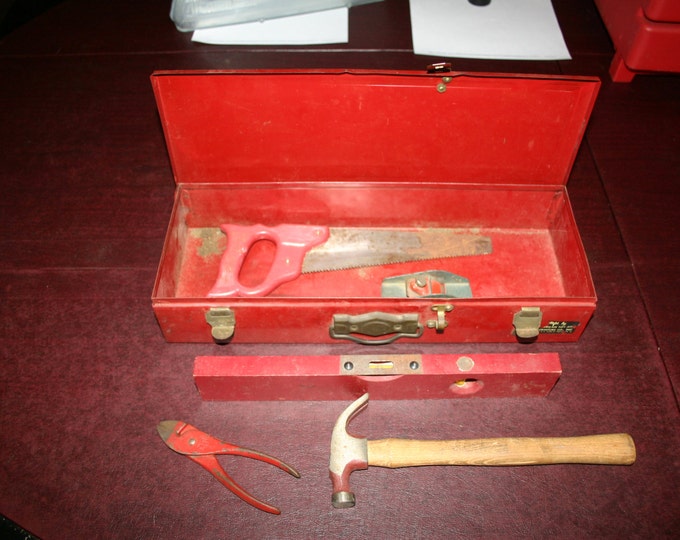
(612, 449)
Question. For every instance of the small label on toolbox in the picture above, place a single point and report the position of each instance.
(559, 327)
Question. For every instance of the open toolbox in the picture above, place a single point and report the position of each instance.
(480, 158)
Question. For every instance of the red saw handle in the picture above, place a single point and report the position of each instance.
(292, 244)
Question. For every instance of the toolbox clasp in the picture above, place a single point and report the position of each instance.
(375, 325)
(440, 323)
(439, 67)
(223, 323)
(527, 323)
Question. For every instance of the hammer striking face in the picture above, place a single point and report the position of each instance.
(349, 453)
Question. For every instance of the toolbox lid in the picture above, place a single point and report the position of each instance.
(265, 126)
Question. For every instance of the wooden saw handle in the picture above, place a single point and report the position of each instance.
(611, 449)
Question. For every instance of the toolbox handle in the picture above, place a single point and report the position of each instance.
(292, 244)
(376, 325)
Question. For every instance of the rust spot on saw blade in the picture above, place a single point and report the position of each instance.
(348, 248)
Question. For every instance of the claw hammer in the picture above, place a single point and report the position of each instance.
(349, 453)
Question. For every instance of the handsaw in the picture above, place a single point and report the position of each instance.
(314, 248)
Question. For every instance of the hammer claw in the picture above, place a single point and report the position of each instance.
(348, 454)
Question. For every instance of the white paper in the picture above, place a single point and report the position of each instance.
(505, 29)
(329, 26)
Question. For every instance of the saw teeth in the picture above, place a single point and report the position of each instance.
(355, 266)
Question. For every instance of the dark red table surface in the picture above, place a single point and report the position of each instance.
(86, 376)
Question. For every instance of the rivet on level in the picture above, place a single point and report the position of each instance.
(441, 87)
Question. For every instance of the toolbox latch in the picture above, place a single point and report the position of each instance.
(527, 323)
(440, 323)
(223, 323)
(439, 67)
(375, 325)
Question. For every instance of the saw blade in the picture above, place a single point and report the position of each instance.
(348, 248)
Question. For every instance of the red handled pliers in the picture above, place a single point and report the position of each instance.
(202, 448)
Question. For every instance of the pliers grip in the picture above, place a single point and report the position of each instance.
(202, 448)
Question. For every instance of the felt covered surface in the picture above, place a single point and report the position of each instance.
(86, 375)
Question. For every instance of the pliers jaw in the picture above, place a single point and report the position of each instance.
(202, 448)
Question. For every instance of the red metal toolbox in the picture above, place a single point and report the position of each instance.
(480, 154)
(646, 34)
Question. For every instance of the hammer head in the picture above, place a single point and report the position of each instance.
(348, 453)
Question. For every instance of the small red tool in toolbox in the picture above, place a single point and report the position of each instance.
(331, 205)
